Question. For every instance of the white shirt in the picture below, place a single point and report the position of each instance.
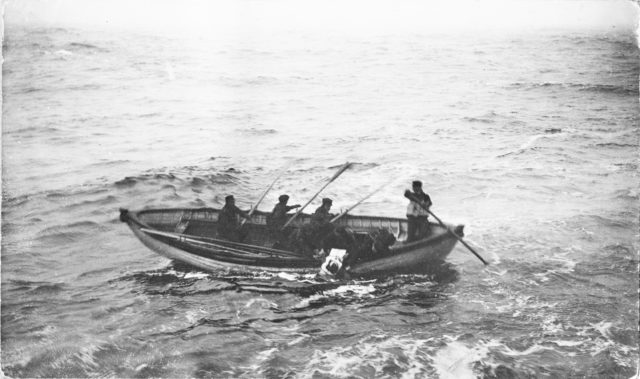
(414, 209)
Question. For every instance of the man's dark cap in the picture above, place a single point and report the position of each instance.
(326, 200)
(417, 183)
(228, 198)
(283, 198)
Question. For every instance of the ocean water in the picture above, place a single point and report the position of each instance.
(530, 138)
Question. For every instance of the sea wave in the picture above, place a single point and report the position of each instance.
(258, 132)
(185, 180)
(487, 118)
(616, 145)
(83, 46)
(624, 90)
(239, 82)
(374, 355)
(70, 232)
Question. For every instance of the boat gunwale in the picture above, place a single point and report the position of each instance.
(403, 248)
(264, 213)
(399, 249)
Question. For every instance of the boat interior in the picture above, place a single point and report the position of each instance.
(203, 223)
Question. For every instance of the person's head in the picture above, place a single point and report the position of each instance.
(229, 200)
(283, 199)
(417, 186)
(326, 202)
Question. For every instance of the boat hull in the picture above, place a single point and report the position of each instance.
(189, 236)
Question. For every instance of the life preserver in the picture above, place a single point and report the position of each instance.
(333, 263)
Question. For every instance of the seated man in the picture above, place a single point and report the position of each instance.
(321, 222)
(228, 223)
(279, 216)
(277, 219)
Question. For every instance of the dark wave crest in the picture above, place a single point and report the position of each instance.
(84, 46)
(623, 90)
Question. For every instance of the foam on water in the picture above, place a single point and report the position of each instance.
(375, 355)
(456, 360)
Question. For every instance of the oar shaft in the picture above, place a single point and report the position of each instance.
(239, 246)
(267, 191)
(411, 197)
(342, 169)
(253, 209)
(355, 205)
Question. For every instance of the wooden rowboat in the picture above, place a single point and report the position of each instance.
(190, 236)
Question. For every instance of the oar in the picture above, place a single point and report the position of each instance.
(356, 204)
(253, 209)
(240, 247)
(409, 195)
(334, 177)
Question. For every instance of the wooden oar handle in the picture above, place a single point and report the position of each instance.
(409, 195)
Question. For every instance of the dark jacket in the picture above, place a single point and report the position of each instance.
(228, 218)
(278, 216)
(321, 216)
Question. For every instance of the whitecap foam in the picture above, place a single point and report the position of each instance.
(531, 350)
(374, 354)
(262, 357)
(604, 328)
(455, 360)
(551, 325)
(348, 290)
(565, 343)
(86, 355)
(287, 276)
(194, 315)
(264, 303)
(358, 290)
(63, 52)
(196, 275)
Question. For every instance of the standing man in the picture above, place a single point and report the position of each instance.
(228, 222)
(417, 216)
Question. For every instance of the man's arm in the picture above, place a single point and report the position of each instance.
(427, 201)
(242, 213)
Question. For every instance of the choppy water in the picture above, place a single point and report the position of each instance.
(530, 139)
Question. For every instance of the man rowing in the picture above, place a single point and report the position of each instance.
(309, 238)
(322, 216)
(321, 222)
(229, 226)
(279, 216)
(418, 216)
(277, 219)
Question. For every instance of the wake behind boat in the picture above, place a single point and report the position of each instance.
(191, 236)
